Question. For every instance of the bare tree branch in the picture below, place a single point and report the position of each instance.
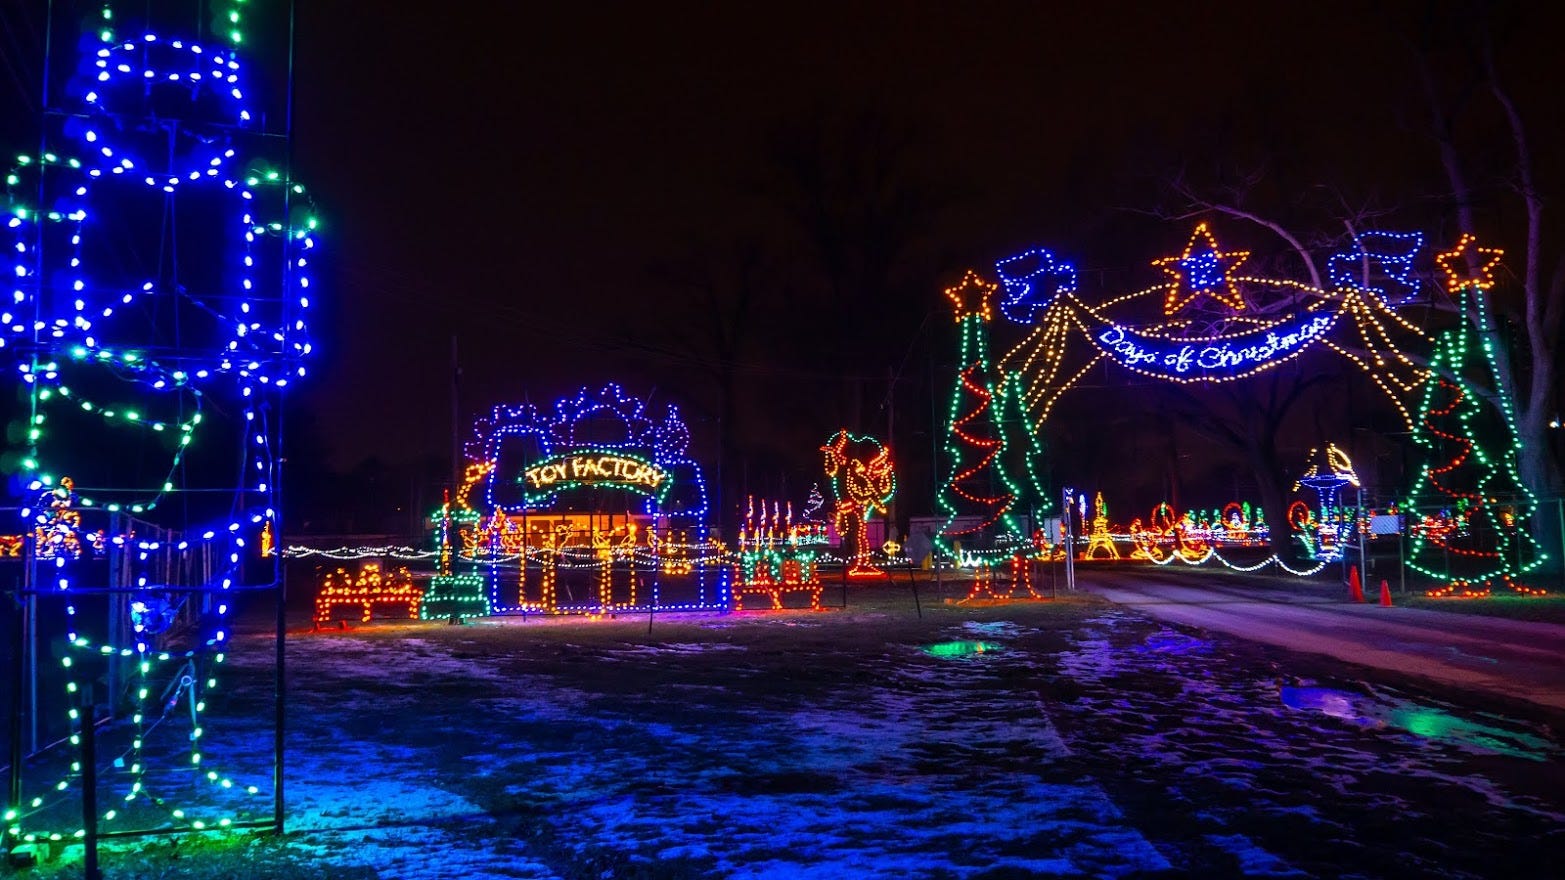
(1233, 210)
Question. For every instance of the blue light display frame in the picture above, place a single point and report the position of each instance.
(152, 132)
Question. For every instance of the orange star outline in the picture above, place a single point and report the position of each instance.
(971, 296)
(1180, 295)
(1454, 264)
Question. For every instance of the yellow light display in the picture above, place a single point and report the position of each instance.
(593, 470)
(1167, 535)
(1459, 274)
(1201, 271)
(1099, 538)
(972, 296)
(368, 588)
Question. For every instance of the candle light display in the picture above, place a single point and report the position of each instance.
(776, 556)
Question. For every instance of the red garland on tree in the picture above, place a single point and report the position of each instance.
(1474, 504)
(992, 450)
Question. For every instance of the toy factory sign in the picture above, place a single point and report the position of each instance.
(595, 469)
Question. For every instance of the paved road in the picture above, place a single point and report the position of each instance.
(1517, 659)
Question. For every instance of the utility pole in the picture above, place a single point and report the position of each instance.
(456, 409)
(890, 406)
(1070, 542)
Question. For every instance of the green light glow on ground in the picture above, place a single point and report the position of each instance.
(961, 649)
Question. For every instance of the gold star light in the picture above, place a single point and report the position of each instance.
(1202, 270)
(1455, 264)
(971, 296)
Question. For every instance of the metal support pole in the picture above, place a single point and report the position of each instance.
(1070, 555)
(1559, 507)
(88, 725)
(280, 694)
(279, 566)
(17, 636)
(934, 560)
(32, 656)
(1358, 526)
(119, 576)
(1401, 555)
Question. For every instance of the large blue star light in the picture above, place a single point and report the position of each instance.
(1202, 270)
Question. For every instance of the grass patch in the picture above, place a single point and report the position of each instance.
(1539, 609)
(200, 857)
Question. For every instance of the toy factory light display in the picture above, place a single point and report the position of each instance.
(594, 506)
(863, 479)
(1469, 506)
(994, 491)
(161, 258)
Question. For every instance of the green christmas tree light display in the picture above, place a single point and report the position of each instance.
(994, 457)
(1469, 505)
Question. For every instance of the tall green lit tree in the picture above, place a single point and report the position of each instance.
(1469, 504)
(992, 453)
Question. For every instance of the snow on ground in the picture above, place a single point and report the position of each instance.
(1080, 741)
(1400, 784)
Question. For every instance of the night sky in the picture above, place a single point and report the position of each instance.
(573, 190)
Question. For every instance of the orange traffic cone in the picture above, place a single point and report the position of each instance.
(1385, 593)
(1355, 586)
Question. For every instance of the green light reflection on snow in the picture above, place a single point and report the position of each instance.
(961, 649)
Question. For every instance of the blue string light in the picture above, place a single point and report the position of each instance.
(1381, 262)
(1025, 277)
(157, 125)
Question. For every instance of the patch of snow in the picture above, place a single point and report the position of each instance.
(1253, 861)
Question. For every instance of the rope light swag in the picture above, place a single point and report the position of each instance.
(1251, 342)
